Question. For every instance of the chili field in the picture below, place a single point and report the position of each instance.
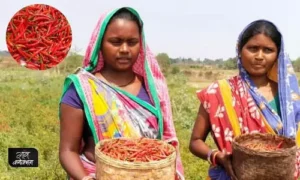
(29, 118)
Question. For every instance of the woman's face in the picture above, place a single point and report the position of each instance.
(121, 44)
(258, 55)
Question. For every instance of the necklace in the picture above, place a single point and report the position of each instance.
(123, 85)
(126, 83)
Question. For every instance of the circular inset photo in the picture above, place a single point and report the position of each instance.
(39, 37)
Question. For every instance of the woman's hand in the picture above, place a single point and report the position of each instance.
(224, 160)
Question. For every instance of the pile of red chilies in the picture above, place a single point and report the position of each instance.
(40, 36)
(140, 150)
(263, 147)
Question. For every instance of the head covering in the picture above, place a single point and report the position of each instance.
(93, 59)
(288, 91)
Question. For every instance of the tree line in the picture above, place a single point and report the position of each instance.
(74, 60)
(231, 63)
(165, 61)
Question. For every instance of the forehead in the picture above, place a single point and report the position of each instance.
(261, 40)
(122, 28)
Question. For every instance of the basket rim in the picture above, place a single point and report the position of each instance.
(263, 153)
(133, 165)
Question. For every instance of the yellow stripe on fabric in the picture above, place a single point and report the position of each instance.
(99, 103)
(298, 136)
(111, 128)
(269, 129)
(227, 100)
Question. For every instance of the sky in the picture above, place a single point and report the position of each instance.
(180, 28)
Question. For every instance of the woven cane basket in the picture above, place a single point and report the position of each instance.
(250, 164)
(108, 168)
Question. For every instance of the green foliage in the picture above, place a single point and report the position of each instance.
(175, 70)
(185, 108)
(231, 63)
(183, 100)
(195, 67)
(163, 61)
(296, 64)
(29, 112)
(71, 63)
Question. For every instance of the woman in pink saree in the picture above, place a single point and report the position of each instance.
(119, 92)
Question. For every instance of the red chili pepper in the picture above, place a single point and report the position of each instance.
(33, 44)
(59, 30)
(42, 66)
(46, 23)
(46, 16)
(16, 56)
(24, 54)
(22, 30)
(279, 145)
(37, 52)
(46, 41)
(12, 28)
(32, 66)
(53, 14)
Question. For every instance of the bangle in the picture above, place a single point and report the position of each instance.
(209, 155)
(214, 158)
(87, 178)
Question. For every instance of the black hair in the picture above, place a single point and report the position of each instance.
(261, 27)
(126, 14)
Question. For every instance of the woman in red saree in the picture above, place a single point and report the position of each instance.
(263, 98)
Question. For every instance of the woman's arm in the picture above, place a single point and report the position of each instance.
(200, 149)
(199, 134)
(71, 128)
